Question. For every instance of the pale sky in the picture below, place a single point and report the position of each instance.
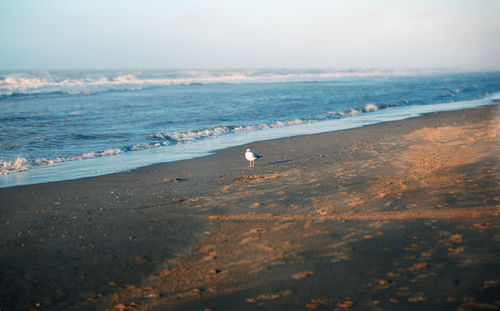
(172, 34)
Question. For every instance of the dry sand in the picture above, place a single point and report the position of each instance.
(400, 215)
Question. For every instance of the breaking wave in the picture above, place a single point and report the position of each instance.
(169, 137)
(14, 84)
(23, 164)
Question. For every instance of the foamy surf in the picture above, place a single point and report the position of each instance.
(23, 164)
(166, 138)
(89, 82)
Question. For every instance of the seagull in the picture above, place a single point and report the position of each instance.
(252, 156)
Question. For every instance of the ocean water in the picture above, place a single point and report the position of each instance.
(73, 124)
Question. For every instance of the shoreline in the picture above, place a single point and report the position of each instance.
(124, 162)
(156, 226)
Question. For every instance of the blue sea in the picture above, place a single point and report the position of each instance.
(59, 125)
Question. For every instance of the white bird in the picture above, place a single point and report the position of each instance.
(252, 156)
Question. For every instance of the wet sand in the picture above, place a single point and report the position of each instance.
(400, 215)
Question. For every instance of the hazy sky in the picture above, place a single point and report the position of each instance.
(162, 34)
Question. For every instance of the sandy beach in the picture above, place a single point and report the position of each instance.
(395, 216)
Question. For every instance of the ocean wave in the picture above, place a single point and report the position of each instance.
(23, 164)
(370, 108)
(27, 86)
(163, 138)
(19, 164)
(55, 83)
(169, 137)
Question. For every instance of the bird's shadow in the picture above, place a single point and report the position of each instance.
(279, 162)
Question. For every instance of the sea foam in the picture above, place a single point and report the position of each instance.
(23, 164)
(21, 83)
(370, 108)
(19, 164)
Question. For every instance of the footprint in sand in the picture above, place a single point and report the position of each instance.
(271, 296)
(346, 304)
(317, 303)
(302, 275)
(457, 238)
(385, 283)
(418, 266)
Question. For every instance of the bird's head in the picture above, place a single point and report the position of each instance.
(248, 150)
